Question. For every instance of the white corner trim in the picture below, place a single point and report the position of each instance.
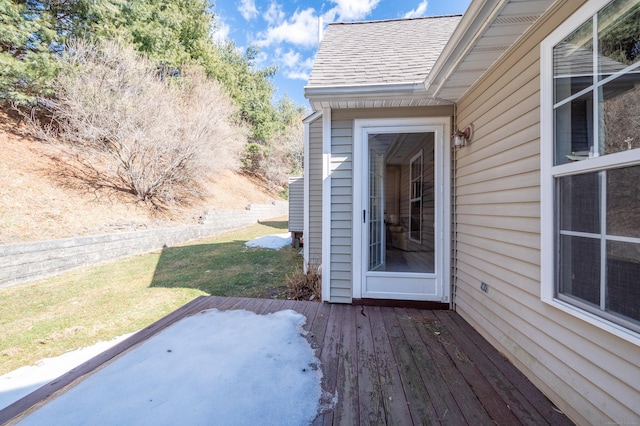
(547, 279)
(326, 204)
(446, 237)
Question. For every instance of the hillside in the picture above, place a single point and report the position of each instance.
(35, 205)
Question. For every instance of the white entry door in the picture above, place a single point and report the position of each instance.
(402, 209)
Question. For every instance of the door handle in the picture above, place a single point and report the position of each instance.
(364, 216)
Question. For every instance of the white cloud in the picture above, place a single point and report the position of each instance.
(248, 9)
(290, 58)
(274, 15)
(221, 30)
(292, 64)
(301, 30)
(418, 11)
(354, 9)
(298, 75)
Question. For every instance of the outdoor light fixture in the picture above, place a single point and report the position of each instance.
(462, 137)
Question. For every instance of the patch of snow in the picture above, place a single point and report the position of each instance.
(216, 367)
(276, 241)
(21, 382)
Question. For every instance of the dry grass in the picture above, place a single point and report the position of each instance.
(36, 205)
(305, 286)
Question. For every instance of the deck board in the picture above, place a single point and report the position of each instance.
(380, 366)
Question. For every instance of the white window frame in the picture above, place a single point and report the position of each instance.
(412, 199)
(548, 172)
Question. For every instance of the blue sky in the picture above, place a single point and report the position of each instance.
(287, 30)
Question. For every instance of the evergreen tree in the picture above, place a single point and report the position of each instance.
(27, 42)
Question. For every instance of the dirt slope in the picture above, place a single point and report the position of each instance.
(34, 207)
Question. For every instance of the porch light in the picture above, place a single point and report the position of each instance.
(462, 137)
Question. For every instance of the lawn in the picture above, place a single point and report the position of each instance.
(49, 317)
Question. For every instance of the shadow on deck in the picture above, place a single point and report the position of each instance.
(386, 366)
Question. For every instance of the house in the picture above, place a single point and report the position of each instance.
(489, 162)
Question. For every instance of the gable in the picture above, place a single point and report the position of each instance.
(380, 52)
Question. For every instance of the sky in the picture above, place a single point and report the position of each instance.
(215, 367)
(286, 31)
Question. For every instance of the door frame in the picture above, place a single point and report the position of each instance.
(442, 127)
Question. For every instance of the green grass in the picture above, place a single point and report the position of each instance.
(49, 317)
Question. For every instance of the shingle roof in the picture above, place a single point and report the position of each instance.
(379, 52)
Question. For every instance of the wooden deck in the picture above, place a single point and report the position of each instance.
(386, 366)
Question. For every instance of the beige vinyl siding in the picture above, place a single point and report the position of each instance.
(341, 203)
(590, 374)
(296, 204)
(342, 148)
(314, 239)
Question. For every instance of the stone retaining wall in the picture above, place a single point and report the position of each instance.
(28, 261)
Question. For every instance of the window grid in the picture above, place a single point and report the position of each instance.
(608, 161)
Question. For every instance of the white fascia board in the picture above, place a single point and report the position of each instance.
(364, 91)
(479, 16)
(312, 117)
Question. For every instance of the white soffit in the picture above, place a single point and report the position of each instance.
(486, 31)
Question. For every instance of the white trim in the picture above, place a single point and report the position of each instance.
(351, 90)
(573, 22)
(597, 321)
(356, 221)
(326, 204)
(411, 200)
(609, 161)
(548, 172)
(441, 126)
(445, 188)
(306, 182)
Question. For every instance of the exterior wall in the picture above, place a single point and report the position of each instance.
(296, 204)
(588, 373)
(342, 148)
(313, 238)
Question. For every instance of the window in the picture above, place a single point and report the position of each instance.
(415, 198)
(591, 163)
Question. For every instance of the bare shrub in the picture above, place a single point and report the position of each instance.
(304, 285)
(284, 156)
(137, 130)
(622, 121)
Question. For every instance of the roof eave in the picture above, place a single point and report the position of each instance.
(474, 22)
(365, 95)
(363, 90)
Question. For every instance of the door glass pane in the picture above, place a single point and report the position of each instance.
(401, 233)
(579, 203)
(623, 287)
(623, 202)
(376, 177)
(579, 268)
(415, 198)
